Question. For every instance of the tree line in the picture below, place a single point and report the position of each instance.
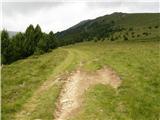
(22, 45)
(34, 41)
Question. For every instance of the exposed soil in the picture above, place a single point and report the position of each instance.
(76, 84)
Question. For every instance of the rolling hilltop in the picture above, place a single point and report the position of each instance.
(115, 26)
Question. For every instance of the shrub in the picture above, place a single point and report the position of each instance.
(150, 27)
(132, 33)
(138, 35)
(125, 37)
(102, 39)
(112, 39)
(95, 39)
(130, 29)
(145, 33)
(116, 37)
(156, 26)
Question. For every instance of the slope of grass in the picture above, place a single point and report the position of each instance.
(136, 62)
(100, 27)
(46, 104)
(139, 19)
(22, 78)
(45, 97)
(137, 98)
(147, 33)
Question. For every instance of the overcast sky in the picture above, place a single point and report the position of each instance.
(61, 14)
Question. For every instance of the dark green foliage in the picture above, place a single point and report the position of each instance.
(132, 33)
(88, 31)
(116, 37)
(42, 45)
(5, 47)
(102, 39)
(95, 39)
(18, 46)
(112, 39)
(37, 34)
(130, 29)
(125, 37)
(145, 33)
(156, 26)
(46, 42)
(138, 35)
(29, 41)
(150, 27)
(52, 40)
(25, 44)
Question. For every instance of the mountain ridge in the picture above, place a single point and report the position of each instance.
(105, 26)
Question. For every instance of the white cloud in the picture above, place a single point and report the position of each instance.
(61, 15)
(79, 1)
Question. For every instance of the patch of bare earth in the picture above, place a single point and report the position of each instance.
(70, 98)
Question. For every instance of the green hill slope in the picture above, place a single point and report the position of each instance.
(105, 27)
(31, 87)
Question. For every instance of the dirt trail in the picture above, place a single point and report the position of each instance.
(75, 84)
(31, 104)
(70, 98)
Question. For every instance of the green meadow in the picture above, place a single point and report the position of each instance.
(30, 89)
(137, 64)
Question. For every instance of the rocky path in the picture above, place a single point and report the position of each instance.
(77, 83)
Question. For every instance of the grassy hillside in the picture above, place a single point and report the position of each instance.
(137, 63)
(137, 98)
(22, 78)
(31, 89)
(105, 27)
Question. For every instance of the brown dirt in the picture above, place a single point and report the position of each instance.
(76, 84)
